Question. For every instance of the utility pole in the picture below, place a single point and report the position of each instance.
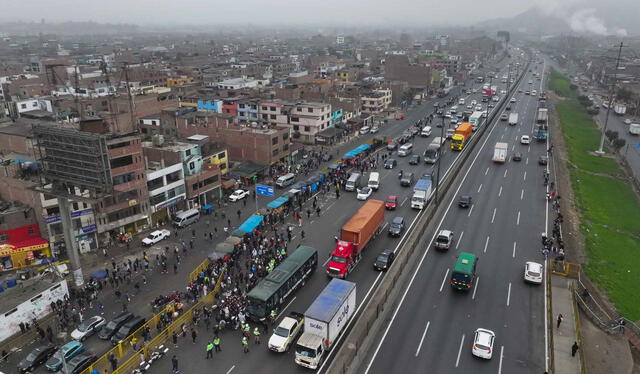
(440, 155)
(600, 150)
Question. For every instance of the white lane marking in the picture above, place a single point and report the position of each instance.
(230, 370)
(518, 220)
(501, 136)
(486, 244)
(459, 240)
(475, 288)
(384, 226)
(404, 201)
(460, 350)
(480, 188)
(513, 147)
(422, 339)
(505, 173)
(500, 192)
(486, 171)
(526, 161)
(521, 194)
(501, 356)
(415, 273)
(444, 279)
(509, 294)
(470, 210)
(525, 176)
(528, 148)
(494, 215)
(326, 262)
(514, 249)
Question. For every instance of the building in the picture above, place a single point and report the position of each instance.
(375, 102)
(248, 110)
(399, 68)
(244, 82)
(308, 119)
(267, 146)
(167, 192)
(21, 243)
(178, 81)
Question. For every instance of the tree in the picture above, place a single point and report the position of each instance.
(611, 135)
(619, 143)
(624, 94)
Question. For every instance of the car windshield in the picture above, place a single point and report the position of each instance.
(442, 239)
(391, 201)
(84, 326)
(383, 257)
(460, 277)
(340, 260)
(395, 226)
(305, 352)
(281, 331)
(482, 346)
(365, 190)
(31, 357)
(256, 308)
(111, 326)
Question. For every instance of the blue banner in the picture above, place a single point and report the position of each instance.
(264, 190)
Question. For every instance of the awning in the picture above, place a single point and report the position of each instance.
(251, 223)
(224, 248)
(277, 203)
(33, 244)
(229, 183)
(233, 240)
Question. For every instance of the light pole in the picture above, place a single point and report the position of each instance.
(600, 150)
(440, 156)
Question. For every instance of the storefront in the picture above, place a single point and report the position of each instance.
(25, 253)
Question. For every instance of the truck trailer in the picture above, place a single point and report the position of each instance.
(500, 152)
(513, 119)
(354, 236)
(324, 321)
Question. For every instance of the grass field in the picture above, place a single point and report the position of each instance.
(609, 209)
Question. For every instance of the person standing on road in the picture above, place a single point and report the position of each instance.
(194, 335)
(216, 343)
(256, 335)
(245, 344)
(574, 349)
(174, 364)
(559, 320)
(209, 350)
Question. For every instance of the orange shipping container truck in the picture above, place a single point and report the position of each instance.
(354, 237)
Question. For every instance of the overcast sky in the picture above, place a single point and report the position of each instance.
(268, 12)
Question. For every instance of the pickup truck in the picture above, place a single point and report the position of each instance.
(238, 195)
(286, 332)
(156, 236)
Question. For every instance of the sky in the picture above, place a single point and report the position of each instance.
(268, 12)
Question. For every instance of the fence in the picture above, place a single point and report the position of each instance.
(165, 336)
(203, 265)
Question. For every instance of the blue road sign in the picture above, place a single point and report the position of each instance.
(638, 145)
(264, 190)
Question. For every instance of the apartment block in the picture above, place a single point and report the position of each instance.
(308, 119)
(375, 102)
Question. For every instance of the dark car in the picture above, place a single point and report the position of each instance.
(112, 327)
(464, 201)
(390, 163)
(414, 160)
(406, 180)
(391, 202)
(396, 227)
(82, 361)
(508, 107)
(517, 156)
(384, 260)
(37, 357)
(127, 329)
(543, 160)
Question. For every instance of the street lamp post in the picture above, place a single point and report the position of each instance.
(439, 156)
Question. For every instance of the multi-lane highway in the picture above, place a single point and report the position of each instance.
(433, 326)
(319, 234)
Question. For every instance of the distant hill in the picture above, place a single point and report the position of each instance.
(613, 17)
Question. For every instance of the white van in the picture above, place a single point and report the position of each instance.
(285, 180)
(364, 130)
(426, 131)
(184, 219)
(353, 183)
(405, 150)
(374, 180)
(461, 101)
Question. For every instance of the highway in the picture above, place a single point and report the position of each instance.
(432, 328)
(319, 234)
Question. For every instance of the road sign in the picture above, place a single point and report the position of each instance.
(265, 190)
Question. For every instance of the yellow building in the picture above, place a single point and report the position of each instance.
(220, 158)
(178, 81)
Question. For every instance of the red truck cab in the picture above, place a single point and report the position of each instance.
(341, 260)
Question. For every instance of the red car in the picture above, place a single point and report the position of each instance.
(399, 116)
(391, 202)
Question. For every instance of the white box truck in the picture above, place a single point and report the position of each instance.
(620, 109)
(421, 193)
(634, 129)
(324, 321)
(513, 119)
(500, 152)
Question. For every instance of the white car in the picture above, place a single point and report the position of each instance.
(156, 236)
(374, 130)
(483, 343)
(87, 328)
(364, 193)
(473, 102)
(470, 106)
(533, 272)
(513, 99)
(478, 108)
(525, 139)
(238, 195)
(484, 114)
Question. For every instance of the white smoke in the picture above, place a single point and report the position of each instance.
(586, 21)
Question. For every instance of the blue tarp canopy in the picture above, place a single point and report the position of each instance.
(251, 223)
(357, 151)
(99, 274)
(277, 203)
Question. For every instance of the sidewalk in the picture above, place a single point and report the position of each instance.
(566, 335)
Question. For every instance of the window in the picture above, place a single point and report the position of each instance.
(274, 152)
(296, 128)
(273, 109)
(274, 141)
(23, 106)
(222, 155)
(299, 109)
(4, 237)
(154, 123)
(286, 147)
(187, 152)
(264, 108)
(295, 119)
(273, 116)
(34, 104)
(307, 128)
(285, 136)
(192, 165)
(121, 161)
(265, 116)
(310, 110)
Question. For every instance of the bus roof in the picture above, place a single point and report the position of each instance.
(465, 263)
(269, 285)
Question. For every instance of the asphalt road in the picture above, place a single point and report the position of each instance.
(432, 328)
(319, 234)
